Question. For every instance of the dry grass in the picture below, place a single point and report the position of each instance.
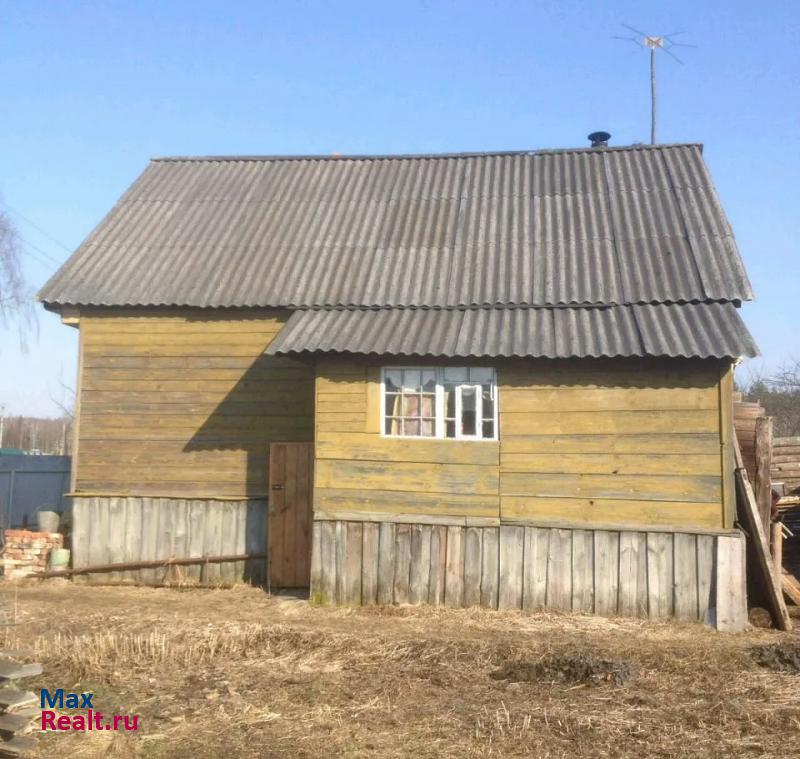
(238, 674)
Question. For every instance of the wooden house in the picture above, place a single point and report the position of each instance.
(496, 378)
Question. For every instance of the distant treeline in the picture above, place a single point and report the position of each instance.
(37, 435)
(779, 393)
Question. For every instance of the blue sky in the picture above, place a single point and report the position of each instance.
(93, 89)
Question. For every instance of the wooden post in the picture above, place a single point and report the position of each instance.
(763, 483)
(776, 546)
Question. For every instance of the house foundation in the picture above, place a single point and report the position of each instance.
(693, 576)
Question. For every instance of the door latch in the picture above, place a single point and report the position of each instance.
(279, 487)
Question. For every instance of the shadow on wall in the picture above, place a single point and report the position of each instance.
(272, 402)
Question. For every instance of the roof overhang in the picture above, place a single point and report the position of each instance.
(690, 330)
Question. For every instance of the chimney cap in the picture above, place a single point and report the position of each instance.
(599, 139)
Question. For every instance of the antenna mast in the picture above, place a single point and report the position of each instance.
(654, 43)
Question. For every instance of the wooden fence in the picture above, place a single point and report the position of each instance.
(110, 530)
(654, 574)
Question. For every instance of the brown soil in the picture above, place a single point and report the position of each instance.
(236, 673)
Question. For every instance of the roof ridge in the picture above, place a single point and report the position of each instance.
(417, 156)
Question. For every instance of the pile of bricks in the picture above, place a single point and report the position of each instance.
(27, 552)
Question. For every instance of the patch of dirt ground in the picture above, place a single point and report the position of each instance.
(237, 673)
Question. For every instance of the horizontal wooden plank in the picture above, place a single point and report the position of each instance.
(127, 452)
(704, 443)
(406, 477)
(609, 374)
(239, 474)
(779, 442)
(550, 400)
(341, 386)
(282, 382)
(180, 413)
(104, 328)
(695, 488)
(392, 501)
(156, 341)
(91, 350)
(585, 511)
(373, 447)
(612, 463)
(341, 404)
(206, 438)
(621, 422)
(187, 489)
(143, 364)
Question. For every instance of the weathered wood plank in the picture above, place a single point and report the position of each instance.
(534, 585)
(420, 564)
(338, 500)
(436, 590)
(369, 561)
(327, 593)
(731, 596)
(694, 488)
(341, 561)
(634, 443)
(354, 446)
(316, 581)
(582, 571)
(706, 547)
(559, 571)
(352, 569)
(660, 591)
(591, 511)
(472, 566)
(402, 563)
(406, 476)
(512, 553)
(454, 568)
(386, 563)
(606, 572)
(685, 576)
(676, 465)
(632, 574)
(611, 422)
(490, 566)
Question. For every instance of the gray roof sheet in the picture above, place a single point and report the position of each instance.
(704, 330)
(641, 224)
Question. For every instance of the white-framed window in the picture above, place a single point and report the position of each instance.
(452, 402)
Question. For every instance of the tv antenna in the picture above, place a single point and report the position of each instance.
(653, 43)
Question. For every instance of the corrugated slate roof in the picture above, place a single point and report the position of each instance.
(703, 330)
(641, 224)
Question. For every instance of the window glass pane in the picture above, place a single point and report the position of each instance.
(488, 429)
(455, 374)
(450, 428)
(427, 405)
(429, 380)
(488, 403)
(480, 374)
(428, 427)
(410, 405)
(392, 405)
(449, 403)
(393, 380)
(411, 380)
(469, 403)
(411, 426)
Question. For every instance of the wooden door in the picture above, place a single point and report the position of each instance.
(291, 477)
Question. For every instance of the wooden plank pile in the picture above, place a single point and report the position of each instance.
(763, 571)
(18, 708)
(786, 464)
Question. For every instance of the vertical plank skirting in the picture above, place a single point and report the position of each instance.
(694, 577)
(114, 530)
(512, 547)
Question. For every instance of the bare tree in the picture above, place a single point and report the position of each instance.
(16, 300)
(779, 394)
